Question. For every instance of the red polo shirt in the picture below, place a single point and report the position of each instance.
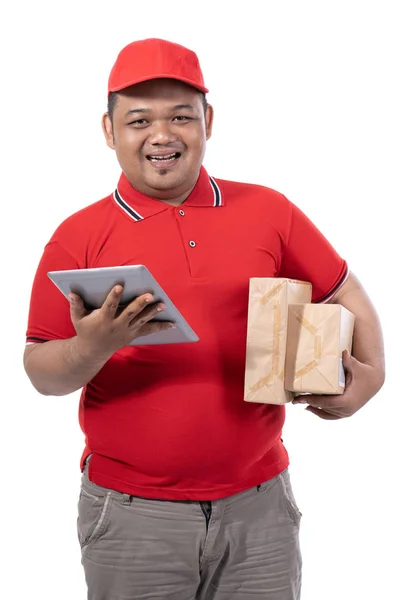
(170, 421)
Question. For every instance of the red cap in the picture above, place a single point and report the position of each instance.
(155, 59)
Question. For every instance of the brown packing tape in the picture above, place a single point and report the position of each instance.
(317, 346)
(266, 337)
(306, 369)
(314, 348)
(273, 292)
(274, 372)
(276, 338)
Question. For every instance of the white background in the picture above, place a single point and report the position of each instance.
(306, 96)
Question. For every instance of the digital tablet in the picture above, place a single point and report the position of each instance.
(94, 285)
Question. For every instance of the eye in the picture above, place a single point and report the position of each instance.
(182, 118)
(139, 123)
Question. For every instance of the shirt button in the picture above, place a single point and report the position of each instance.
(182, 213)
(192, 244)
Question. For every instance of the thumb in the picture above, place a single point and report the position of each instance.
(348, 360)
(77, 308)
(348, 366)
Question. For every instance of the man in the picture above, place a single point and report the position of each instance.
(185, 488)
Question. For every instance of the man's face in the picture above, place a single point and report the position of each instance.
(159, 132)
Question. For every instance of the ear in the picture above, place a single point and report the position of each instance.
(209, 117)
(107, 126)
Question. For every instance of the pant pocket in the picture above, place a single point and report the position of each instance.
(290, 501)
(93, 516)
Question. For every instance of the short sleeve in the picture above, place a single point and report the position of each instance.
(49, 311)
(308, 256)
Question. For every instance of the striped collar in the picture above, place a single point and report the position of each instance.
(206, 193)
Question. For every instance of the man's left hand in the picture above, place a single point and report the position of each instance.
(360, 386)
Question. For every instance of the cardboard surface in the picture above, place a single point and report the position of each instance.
(316, 338)
(269, 299)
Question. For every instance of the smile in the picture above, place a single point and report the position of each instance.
(164, 159)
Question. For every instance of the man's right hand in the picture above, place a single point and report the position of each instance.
(108, 329)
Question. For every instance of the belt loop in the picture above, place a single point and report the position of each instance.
(126, 499)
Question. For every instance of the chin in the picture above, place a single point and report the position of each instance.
(166, 181)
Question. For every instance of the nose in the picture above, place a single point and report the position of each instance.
(161, 134)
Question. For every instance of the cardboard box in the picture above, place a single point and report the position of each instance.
(317, 336)
(269, 299)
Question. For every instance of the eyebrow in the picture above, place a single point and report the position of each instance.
(140, 111)
(183, 107)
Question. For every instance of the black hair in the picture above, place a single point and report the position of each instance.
(113, 97)
(112, 101)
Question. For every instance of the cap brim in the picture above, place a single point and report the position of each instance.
(122, 86)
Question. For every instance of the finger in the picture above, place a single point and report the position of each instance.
(334, 401)
(139, 311)
(323, 414)
(77, 308)
(348, 379)
(348, 361)
(136, 306)
(154, 327)
(349, 366)
(111, 303)
(146, 315)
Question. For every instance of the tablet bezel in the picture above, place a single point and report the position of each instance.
(94, 284)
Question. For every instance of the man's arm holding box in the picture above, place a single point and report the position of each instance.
(365, 369)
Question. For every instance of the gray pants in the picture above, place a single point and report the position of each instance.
(245, 546)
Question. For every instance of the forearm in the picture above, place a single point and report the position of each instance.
(60, 367)
(368, 345)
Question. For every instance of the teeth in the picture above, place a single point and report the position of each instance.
(166, 157)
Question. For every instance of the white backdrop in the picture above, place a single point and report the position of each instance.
(306, 96)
